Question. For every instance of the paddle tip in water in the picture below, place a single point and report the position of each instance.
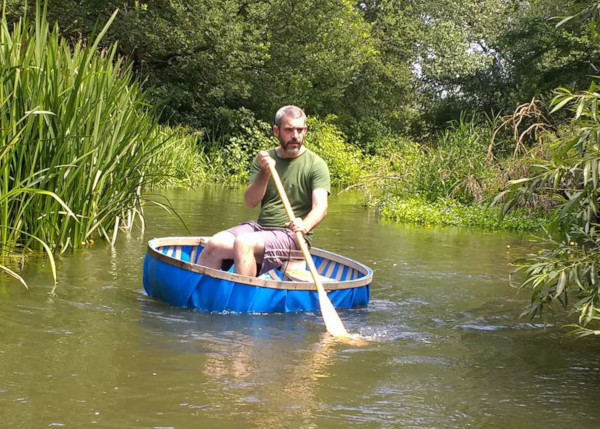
(352, 340)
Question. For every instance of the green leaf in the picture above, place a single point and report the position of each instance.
(579, 110)
(564, 101)
(13, 274)
(564, 21)
(560, 286)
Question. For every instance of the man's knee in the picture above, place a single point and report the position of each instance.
(220, 242)
(248, 243)
(241, 245)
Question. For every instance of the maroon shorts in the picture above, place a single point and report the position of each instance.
(280, 244)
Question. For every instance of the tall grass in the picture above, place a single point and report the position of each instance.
(455, 167)
(76, 137)
(449, 182)
(179, 162)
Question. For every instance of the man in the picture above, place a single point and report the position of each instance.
(271, 241)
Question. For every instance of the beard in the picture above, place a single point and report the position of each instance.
(291, 147)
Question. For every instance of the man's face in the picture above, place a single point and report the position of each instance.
(291, 135)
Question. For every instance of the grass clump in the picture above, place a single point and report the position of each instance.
(449, 212)
(179, 162)
(78, 141)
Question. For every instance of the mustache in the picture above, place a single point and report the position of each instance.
(287, 144)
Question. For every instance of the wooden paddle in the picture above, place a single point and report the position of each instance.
(332, 320)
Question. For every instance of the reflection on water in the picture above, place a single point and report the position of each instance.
(248, 361)
(445, 347)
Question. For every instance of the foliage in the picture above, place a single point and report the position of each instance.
(26, 193)
(450, 183)
(492, 55)
(456, 39)
(520, 131)
(540, 55)
(195, 56)
(406, 67)
(455, 168)
(457, 63)
(568, 174)
(380, 98)
(448, 212)
(346, 163)
(90, 143)
(179, 162)
(315, 49)
(228, 158)
(205, 60)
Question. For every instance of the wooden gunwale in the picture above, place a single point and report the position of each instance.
(155, 243)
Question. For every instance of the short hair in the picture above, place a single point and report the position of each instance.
(291, 111)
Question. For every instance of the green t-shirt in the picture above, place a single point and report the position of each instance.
(300, 176)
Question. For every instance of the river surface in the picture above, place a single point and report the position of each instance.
(445, 345)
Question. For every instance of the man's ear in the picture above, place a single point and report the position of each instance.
(276, 130)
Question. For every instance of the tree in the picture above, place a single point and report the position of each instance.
(206, 59)
(196, 56)
(381, 98)
(567, 265)
(540, 55)
(315, 50)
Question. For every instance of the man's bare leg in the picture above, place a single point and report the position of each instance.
(248, 250)
(218, 248)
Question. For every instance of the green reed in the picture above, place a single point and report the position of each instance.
(76, 139)
(179, 163)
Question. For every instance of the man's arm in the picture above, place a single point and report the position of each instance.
(257, 188)
(316, 214)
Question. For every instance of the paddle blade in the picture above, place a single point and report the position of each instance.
(332, 320)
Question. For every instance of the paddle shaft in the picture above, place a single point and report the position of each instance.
(332, 320)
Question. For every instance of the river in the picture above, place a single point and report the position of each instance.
(445, 346)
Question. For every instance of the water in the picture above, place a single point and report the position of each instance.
(446, 347)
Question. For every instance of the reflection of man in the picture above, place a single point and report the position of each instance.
(271, 240)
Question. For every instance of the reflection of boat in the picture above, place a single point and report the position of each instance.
(172, 275)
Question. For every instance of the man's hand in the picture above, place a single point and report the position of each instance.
(297, 225)
(264, 160)
(257, 188)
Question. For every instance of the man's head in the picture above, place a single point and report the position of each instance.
(290, 129)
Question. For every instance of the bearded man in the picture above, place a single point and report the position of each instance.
(257, 247)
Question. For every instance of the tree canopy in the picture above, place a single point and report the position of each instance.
(401, 66)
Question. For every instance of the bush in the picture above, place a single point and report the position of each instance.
(346, 162)
(566, 172)
(455, 167)
(229, 157)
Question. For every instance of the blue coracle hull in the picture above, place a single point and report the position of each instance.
(181, 287)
